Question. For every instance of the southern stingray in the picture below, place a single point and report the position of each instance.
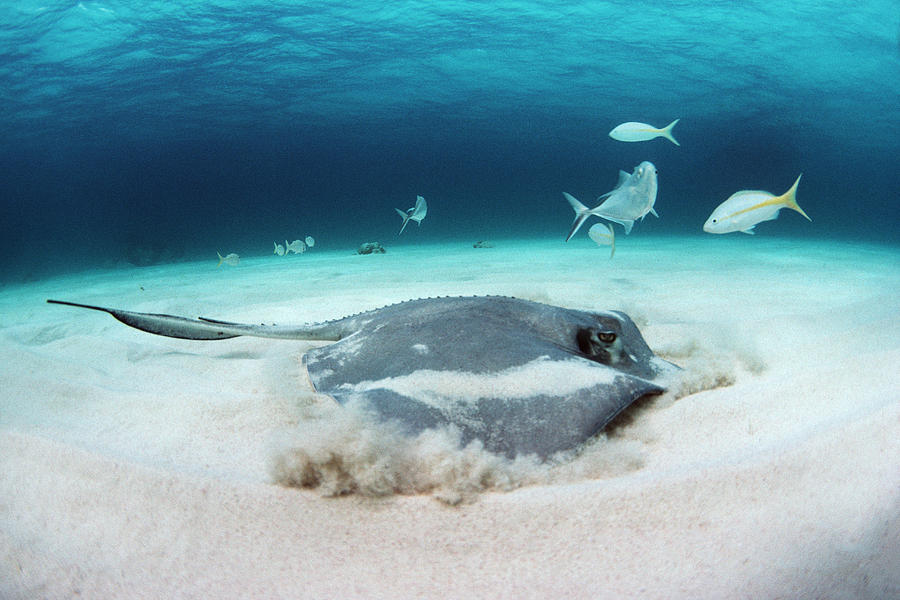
(520, 376)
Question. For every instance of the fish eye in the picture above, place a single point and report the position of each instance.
(715, 220)
(607, 337)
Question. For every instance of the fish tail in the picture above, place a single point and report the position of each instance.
(790, 198)
(221, 258)
(405, 218)
(667, 132)
(582, 212)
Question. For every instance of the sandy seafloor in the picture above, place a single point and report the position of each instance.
(141, 466)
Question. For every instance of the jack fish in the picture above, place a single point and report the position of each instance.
(631, 199)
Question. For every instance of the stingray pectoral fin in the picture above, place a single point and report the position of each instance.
(167, 325)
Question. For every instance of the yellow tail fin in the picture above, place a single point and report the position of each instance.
(790, 198)
(667, 132)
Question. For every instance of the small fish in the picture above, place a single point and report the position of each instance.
(603, 235)
(744, 209)
(416, 213)
(279, 249)
(631, 199)
(310, 241)
(641, 132)
(231, 260)
(297, 246)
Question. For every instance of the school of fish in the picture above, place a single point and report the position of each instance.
(632, 198)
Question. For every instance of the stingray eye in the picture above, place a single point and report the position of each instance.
(607, 337)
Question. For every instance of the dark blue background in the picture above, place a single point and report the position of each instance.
(165, 133)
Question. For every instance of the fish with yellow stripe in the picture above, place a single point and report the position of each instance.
(743, 210)
(642, 132)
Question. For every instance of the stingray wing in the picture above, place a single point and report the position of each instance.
(553, 402)
(546, 424)
(540, 424)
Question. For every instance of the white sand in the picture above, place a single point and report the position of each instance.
(140, 466)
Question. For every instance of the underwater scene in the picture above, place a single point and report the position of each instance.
(460, 299)
(162, 133)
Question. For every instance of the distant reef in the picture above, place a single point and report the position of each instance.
(370, 248)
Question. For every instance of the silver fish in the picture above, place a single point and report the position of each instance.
(231, 260)
(297, 246)
(416, 213)
(631, 199)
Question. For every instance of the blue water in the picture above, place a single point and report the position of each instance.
(170, 130)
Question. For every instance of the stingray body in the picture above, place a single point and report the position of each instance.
(520, 376)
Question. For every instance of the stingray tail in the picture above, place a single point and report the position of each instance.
(167, 325)
(582, 212)
(202, 328)
(405, 218)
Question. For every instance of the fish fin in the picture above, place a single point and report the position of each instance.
(667, 132)
(420, 209)
(612, 238)
(749, 230)
(623, 178)
(576, 205)
(653, 212)
(790, 198)
(624, 223)
(405, 218)
(576, 224)
(221, 258)
(582, 212)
